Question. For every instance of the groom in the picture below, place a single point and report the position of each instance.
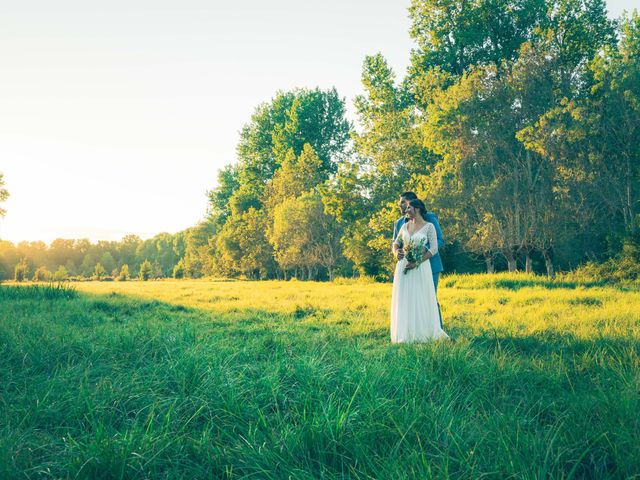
(436, 260)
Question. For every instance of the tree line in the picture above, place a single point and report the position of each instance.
(518, 123)
(132, 257)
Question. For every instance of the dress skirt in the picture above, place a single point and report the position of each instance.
(414, 307)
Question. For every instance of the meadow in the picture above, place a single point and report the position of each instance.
(192, 379)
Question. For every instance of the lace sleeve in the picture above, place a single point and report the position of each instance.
(433, 239)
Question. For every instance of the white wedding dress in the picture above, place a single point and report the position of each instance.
(414, 308)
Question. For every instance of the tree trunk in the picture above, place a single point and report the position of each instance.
(631, 213)
(527, 263)
(511, 259)
(488, 260)
(548, 262)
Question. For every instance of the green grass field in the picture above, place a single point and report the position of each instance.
(277, 380)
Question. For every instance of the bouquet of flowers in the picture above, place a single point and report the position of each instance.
(414, 252)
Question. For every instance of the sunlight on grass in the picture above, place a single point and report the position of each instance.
(231, 380)
(468, 302)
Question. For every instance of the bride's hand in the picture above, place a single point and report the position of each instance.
(410, 266)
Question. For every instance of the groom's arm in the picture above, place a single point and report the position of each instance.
(396, 246)
(395, 231)
(433, 219)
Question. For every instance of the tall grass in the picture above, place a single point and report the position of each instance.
(518, 280)
(197, 379)
(50, 291)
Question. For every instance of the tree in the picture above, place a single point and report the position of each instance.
(198, 258)
(42, 275)
(242, 246)
(88, 265)
(107, 261)
(228, 183)
(178, 270)
(454, 35)
(4, 194)
(9, 258)
(304, 237)
(61, 274)
(389, 147)
(99, 272)
(21, 272)
(124, 273)
(611, 122)
(591, 136)
(295, 176)
(126, 251)
(288, 122)
(145, 270)
(62, 251)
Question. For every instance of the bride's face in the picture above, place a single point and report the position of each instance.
(411, 212)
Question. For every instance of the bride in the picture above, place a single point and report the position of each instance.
(414, 308)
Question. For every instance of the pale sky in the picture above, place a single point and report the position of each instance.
(115, 116)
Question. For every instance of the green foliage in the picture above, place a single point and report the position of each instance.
(99, 272)
(61, 274)
(454, 36)
(517, 123)
(179, 270)
(304, 237)
(124, 274)
(21, 272)
(390, 146)
(146, 270)
(4, 194)
(288, 122)
(107, 261)
(621, 268)
(198, 240)
(227, 184)
(242, 246)
(295, 176)
(42, 274)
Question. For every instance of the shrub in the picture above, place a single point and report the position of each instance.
(42, 275)
(99, 272)
(145, 270)
(21, 271)
(61, 274)
(178, 270)
(123, 276)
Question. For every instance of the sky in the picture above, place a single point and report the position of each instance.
(116, 116)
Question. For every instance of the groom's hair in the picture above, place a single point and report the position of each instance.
(409, 196)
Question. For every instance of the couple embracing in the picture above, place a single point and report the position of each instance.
(415, 314)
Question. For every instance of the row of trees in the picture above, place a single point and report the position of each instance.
(517, 122)
(157, 257)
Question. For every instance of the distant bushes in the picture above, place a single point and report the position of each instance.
(514, 281)
(622, 268)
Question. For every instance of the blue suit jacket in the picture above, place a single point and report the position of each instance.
(436, 260)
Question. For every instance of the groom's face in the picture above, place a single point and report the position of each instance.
(404, 204)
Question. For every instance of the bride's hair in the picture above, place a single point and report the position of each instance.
(417, 203)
